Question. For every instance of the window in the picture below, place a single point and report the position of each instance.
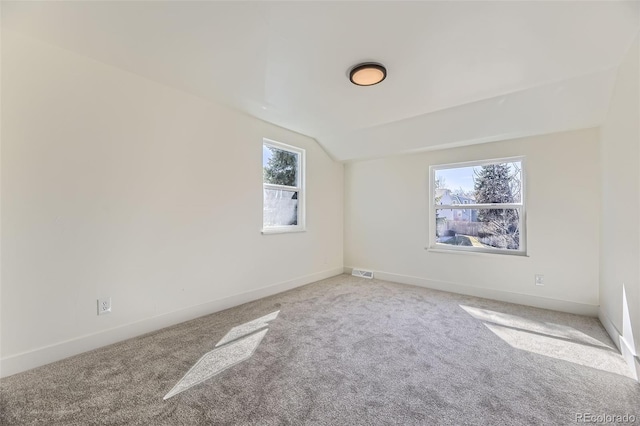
(478, 207)
(282, 187)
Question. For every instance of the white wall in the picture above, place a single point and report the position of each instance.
(620, 249)
(387, 226)
(114, 185)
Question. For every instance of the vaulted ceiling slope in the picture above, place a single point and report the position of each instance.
(458, 72)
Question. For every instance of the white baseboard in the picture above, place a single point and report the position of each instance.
(27, 360)
(611, 329)
(489, 293)
(628, 353)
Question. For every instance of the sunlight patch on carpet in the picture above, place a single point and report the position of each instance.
(547, 328)
(577, 353)
(552, 340)
(218, 360)
(247, 328)
(231, 350)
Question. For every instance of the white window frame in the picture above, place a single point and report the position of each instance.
(521, 207)
(299, 188)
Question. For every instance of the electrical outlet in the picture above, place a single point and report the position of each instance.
(104, 306)
(539, 279)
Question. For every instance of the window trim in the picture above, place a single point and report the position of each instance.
(433, 246)
(300, 188)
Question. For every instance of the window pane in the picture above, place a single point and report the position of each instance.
(482, 228)
(280, 208)
(279, 167)
(491, 183)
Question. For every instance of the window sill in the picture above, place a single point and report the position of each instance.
(477, 253)
(283, 230)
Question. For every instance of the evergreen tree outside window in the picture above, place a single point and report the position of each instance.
(282, 187)
(478, 206)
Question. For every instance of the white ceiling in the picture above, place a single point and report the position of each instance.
(458, 72)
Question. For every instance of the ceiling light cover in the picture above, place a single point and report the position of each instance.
(367, 74)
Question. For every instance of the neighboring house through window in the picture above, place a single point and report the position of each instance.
(282, 187)
(478, 206)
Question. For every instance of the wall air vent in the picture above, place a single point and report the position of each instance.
(362, 273)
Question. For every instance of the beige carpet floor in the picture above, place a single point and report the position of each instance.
(342, 351)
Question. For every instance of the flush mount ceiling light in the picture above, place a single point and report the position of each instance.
(367, 74)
